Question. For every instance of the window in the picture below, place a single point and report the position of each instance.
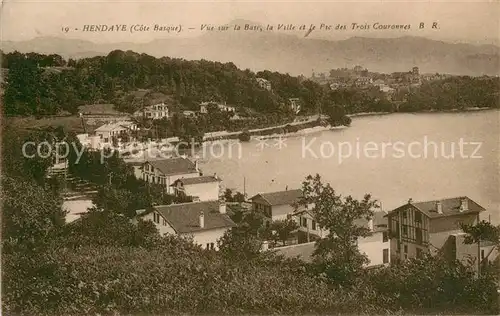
(419, 253)
(418, 217)
(385, 237)
(210, 246)
(405, 230)
(164, 222)
(385, 256)
(313, 224)
(418, 235)
(482, 254)
(304, 222)
(405, 214)
(156, 218)
(406, 248)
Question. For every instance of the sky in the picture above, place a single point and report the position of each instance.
(472, 21)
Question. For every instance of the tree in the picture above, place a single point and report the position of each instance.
(228, 195)
(30, 213)
(337, 116)
(281, 230)
(337, 255)
(238, 244)
(482, 231)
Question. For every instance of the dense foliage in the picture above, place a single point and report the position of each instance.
(41, 85)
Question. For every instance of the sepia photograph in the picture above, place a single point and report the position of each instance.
(250, 158)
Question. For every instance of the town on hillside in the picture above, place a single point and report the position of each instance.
(121, 194)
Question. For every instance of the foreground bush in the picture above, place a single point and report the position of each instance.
(162, 281)
(433, 284)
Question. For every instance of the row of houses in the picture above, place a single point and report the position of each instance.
(409, 231)
(205, 220)
(161, 110)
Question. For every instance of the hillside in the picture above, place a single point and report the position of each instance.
(293, 54)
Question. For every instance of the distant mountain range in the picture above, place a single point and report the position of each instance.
(293, 54)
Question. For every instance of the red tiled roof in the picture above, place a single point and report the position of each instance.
(280, 197)
(185, 217)
(197, 180)
(450, 207)
(174, 166)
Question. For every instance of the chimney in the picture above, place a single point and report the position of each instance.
(439, 207)
(202, 219)
(464, 204)
(222, 207)
(370, 224)
(410, 200)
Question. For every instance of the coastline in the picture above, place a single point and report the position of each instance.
(303, 129)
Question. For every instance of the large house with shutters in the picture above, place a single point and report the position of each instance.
(375, 246)
(106, 132)
(276, 205)
(434, 227)
(167, 171)
(280, 205)
(154, 112)
(202, 222)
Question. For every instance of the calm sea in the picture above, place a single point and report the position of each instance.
(393, 157)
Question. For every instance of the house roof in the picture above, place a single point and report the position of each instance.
(280, 197)
(174, 166)
(450, 207)
(379, 220)
(185, 217)
(197, 180)
(113, 126)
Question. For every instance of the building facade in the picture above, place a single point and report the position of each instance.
(154, 112)
(264, 84)
(223, 107)
(167, 171)
(276, 205)
(106, 132)
(203, 188)
(202, 222)
(431, 227)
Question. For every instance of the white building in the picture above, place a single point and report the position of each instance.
(264, 84)
(90, 141)
(167, 171)
(154, 112)
(203, 222)
(279, 206)
(203, 188)
(276, 205)
(107, 131)
(222, 106)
